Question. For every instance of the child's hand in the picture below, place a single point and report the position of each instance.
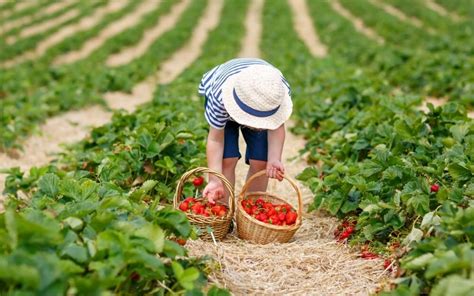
(214, 190)
(275, 170)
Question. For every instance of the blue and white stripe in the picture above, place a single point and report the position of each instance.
(211, 87)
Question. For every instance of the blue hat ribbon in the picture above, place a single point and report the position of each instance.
(247, 109)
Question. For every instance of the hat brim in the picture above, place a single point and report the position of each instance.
(240, 116)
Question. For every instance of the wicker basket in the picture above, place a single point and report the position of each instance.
(220, 225)
(258, 232)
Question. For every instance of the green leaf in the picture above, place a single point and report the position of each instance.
(216, 291)
(419, 262)
(177, 269)
(444, 263)
(75, 252)
(49, 184)
(420, 203)
(413, 237)
(459, 131)
(74, 223)
(188, 277)
(308, 173)
(459, 172)
(19, 273)
(154, 233)
(453, 285)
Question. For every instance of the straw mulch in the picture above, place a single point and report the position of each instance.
(312, 263)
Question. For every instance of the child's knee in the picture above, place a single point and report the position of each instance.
(229, 163)
(257, 165)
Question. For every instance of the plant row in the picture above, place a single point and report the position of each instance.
(61, 88)
(402, 178)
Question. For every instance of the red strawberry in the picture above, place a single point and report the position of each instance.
(282, 216)
(198, 181)
(387, 263)
(184, 206)
(291, 218)
(135, 277)
(260, 202)
(255, 210)
(434, 188)
(216, 209)
(368, 255)
(190, 200)
(181, 241)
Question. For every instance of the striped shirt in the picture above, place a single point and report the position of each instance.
(211, 87)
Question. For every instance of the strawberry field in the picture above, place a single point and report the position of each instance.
(100, 117)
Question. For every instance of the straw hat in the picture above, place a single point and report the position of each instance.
(257, 97)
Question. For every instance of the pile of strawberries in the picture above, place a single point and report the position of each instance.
(203, 208)
(344, 230)
(267, 212)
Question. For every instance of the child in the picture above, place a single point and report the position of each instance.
(252, 95)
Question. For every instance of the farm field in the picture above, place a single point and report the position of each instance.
(100, 117)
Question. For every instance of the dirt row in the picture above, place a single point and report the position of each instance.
(51, 9)
(356, 22)
(392, 10)
(303, 24)
(164, 24)
(85, 23)
(128, 21)
(313, 263)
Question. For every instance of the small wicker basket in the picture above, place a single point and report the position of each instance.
(219, 225)
(249, 228)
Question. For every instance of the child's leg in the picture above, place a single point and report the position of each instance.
(256, 156)
(231, 153)
(228, 168)
(259, 184)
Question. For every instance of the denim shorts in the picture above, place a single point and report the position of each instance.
(257, 142)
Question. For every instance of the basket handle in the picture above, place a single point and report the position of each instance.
(202, 170)
(292, 183)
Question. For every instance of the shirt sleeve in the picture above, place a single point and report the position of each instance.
(206, 81)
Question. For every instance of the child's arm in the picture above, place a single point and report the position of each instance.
(276, 139)
(215, 153)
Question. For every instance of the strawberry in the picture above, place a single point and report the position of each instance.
(434, 188)
(190, 200)
(181, 241)
(345, 234)
(386, 264)
(222, 213)
(274, 219)
(184, 206)
(368, 255)
(216, 209)
(260, 202)
(255, 210)
(197, 208)
(282, 217)
(291, 218)
(198, 181)
(262, 217)
(135, 277)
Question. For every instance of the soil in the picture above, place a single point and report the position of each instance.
(110, 31)
(38, 15)
(357, 22)
(163, 25)
(304, 27)
(253, 28)
(85, 23)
